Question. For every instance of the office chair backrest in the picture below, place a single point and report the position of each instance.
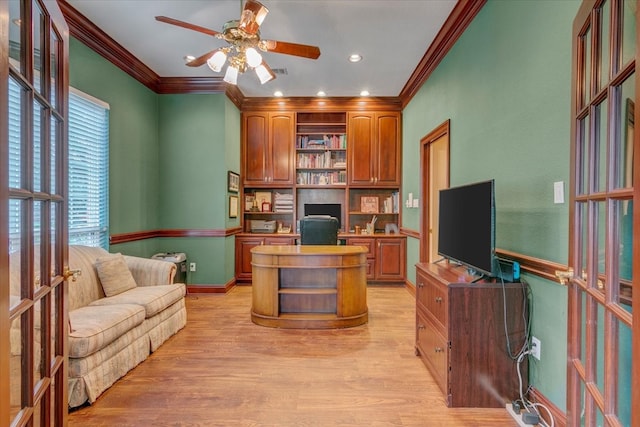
(319, 230)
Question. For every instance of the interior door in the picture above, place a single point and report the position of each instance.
(33, 253)
(602, 330)
(434, 166)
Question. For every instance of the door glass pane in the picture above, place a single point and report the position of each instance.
(15, 43)
(624, 379)
(582, 258)
(15, 134)
(53, 57)
(624, 147)
(53, 155)
(605, 17)
(582, 158)
(586, 68)
(54, 323)
(600, 245)
(624, 213)
(600, 147)
(38, 339)
(37, 238)
(37, 148)
(628, 30)
(53, 271)
(15, 364)
(15, 230)
(38, 46)
(598, 347)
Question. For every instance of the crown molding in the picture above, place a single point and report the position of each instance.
(93, 37)
(461, 16)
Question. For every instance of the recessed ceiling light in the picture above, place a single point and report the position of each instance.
(321, 93)
(278, 93)
(355, 57)
(364, 93)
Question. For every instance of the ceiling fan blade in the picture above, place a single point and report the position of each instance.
(201, 60)
(306, 51)
(252, 16)
(187, 25)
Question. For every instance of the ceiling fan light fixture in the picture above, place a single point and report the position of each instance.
(216, 61)
(264, 73)
(231, 76)
(254, 58)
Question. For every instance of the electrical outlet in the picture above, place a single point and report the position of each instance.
(192, 266)
(536, 347)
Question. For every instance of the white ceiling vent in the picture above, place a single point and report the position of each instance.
(281, 71)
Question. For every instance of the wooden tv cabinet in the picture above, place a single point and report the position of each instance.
(311, 287)
(461, 338)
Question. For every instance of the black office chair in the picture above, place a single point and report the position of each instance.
(319, 230)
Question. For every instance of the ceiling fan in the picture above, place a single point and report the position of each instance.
(243, 37)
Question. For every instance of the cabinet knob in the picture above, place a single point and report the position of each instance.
(421, 285)
(438, 349)
(421, 326)
(438, 300)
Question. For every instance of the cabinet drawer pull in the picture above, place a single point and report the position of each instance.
(439, 349)
(421, 285)
(421, 326)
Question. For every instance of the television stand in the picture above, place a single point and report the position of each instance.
(461, 337)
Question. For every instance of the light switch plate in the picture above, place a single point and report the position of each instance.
(558, 192)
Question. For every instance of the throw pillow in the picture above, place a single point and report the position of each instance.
(114, 274)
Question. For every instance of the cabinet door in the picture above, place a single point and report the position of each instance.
(387, 165)
(282, 148)
(360, 148)
(243, 256)
(256, 146)
(390, 259)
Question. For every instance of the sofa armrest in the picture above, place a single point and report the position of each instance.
(150, 272)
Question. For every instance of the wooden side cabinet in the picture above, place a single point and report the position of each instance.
(244, 244)
(462, 334)
(268, 148)
(386, 257)
(374, 149)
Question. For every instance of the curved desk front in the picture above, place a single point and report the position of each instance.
(312, 287)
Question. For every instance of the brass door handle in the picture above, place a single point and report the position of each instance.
(73, 274)
(563, 276)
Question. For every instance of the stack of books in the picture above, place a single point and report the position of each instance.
(283, 203)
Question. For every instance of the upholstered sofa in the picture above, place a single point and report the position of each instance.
(121, 308)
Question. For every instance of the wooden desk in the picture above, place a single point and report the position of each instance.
(312, 287)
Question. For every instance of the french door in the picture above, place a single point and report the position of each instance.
(602, 378)
(33, 251)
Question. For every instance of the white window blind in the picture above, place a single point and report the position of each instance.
(88, 170)
(88, 174)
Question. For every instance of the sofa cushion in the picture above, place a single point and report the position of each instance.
(114, 274)
(154, 299)
(97, 326)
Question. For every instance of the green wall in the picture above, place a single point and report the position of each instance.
(169, 156)
(505, 86)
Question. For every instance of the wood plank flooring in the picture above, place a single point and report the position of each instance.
(222, 370)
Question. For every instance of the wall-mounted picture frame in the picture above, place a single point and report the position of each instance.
(233, 206)
(233, 182)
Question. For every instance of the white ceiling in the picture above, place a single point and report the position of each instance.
(391, 35)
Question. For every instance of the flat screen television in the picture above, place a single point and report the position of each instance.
(466, 229)
(324, 209)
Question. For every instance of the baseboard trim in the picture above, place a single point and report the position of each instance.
(211, 289)
(559, 417)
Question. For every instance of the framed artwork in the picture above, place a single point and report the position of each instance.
(369, 204)
(233, 182)
(233, 206)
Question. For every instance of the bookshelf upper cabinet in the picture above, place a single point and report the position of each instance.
(321, 149)
(373, 140)
(268, 156)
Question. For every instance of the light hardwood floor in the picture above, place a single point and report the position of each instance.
(222, 370)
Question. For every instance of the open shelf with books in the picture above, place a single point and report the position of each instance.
(269, 210)
(365, 205)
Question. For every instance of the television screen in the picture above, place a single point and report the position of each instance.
(467, 226)
(330, 209)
